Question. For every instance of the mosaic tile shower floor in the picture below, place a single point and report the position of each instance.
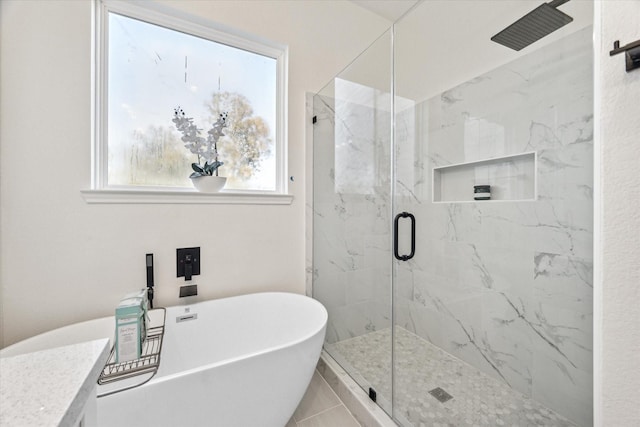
(478, 400)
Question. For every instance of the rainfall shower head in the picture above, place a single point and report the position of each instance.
(538, 23)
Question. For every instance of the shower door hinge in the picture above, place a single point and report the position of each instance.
(372, 394)
(314, 120)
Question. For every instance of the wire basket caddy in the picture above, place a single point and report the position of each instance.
(148, 362)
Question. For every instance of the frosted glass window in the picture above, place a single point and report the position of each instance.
(151, 70)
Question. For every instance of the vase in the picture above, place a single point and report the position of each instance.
(209, 184)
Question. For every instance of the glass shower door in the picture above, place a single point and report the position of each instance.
(493, 314)
(351, 217)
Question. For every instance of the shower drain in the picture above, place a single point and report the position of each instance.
(440, 394)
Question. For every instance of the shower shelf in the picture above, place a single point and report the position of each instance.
(148, 363)
(512, 178)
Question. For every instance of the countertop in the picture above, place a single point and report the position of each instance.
(50, 387)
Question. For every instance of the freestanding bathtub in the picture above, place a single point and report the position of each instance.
(242, 361)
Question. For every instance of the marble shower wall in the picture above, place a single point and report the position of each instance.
(507, 285)
(351, 210)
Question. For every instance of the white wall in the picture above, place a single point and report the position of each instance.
(617, 390)
(64, 260)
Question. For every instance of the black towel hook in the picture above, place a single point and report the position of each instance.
(631, 56)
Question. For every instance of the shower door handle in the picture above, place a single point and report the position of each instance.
(395, 236)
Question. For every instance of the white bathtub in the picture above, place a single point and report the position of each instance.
(245, 361)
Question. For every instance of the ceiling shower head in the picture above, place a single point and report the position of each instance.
(538, 23)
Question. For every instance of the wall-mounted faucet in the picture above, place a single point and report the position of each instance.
(188, 291)
(188, 265)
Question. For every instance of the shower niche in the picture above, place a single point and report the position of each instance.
(495, 308)
(512, 178)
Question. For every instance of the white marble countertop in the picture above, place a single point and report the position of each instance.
(50, 387)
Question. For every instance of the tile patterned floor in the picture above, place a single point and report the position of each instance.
(478, 400)
(320, 407)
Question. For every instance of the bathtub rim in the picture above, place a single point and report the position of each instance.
(156, 378)
(229, 360)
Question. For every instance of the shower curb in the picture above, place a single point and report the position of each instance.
(365, 411)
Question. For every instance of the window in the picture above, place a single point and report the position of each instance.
(148, 64)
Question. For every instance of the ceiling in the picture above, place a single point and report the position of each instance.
(442, 43)
(388, 9)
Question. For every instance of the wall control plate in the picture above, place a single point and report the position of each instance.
(182, 261)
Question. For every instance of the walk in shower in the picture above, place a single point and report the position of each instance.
(450, 310)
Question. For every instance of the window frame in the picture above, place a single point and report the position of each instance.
(163, 16)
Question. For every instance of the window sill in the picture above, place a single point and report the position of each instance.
(191, 197)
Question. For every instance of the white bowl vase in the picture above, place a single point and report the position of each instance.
(209, 184)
